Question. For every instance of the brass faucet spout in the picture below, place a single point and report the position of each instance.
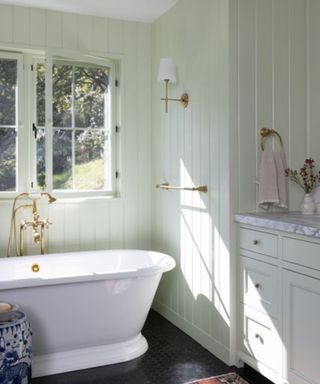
(51, 199)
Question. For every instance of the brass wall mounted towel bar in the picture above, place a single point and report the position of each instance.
(266, 132)
(167, 186)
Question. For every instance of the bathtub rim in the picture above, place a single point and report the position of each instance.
(87, 277)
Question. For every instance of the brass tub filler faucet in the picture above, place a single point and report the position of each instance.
(37, 224)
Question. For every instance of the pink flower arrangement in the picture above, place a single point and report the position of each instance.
(306, 177)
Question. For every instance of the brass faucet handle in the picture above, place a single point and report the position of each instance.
(37, 237)
(23, 224)
(46, 223)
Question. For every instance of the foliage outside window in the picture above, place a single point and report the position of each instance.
(78, 144)
(8, 123)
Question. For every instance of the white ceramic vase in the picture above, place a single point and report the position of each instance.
(308, 205)
(316, 198)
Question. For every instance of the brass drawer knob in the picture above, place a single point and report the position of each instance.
(256, 242)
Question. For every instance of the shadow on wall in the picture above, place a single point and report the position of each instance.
(197, 291)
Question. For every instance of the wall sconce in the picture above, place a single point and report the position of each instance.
(167, 72)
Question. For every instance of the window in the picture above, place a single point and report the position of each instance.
(10, 80)
(70, 126)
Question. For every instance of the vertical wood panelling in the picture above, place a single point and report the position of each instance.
(314, 79)
(71, 225)
(214, 191)
(144, 136)
(225, 323)
(115, 36)
(298, 91)
(69, 31)
(117, 227)
(21, 25)
(187, 151)
(281, 70)
(56, 233)
(54, 29)
(264, 72)
(101, 223)
(264, 56)
(131, 145)
(87, 225)
(37, 27)
(277, 95)
(247, 104)
(85, 33)
(6, 23)
(5, 230)
(100, 34)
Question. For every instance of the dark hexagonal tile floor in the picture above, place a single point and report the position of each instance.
(172, 358)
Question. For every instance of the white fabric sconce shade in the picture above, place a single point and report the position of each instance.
(167, 70)
(167, 73)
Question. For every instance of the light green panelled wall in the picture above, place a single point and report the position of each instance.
(190, 148)
(89, 224)
(247, 64)
(277, 85)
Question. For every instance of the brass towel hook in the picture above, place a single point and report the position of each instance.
(266, 132)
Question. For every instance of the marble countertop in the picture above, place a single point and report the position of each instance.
(292, 222)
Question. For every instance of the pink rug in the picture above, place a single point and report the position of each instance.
(229, 378)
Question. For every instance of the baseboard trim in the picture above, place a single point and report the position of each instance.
(67, 361)
(208, 342)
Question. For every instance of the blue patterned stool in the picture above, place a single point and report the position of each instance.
(15, 350)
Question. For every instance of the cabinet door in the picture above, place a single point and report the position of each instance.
(302, 327)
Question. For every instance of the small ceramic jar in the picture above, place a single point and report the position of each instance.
(15, 350)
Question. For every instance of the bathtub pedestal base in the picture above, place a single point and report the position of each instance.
(89, 357)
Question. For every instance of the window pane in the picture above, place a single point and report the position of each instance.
(41, 159)
(62, 95)
(7, 159)
(90, 173)
(91, 87)
(40, 92)
(62, 159)
(8, 85)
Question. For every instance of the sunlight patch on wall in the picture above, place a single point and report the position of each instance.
(205, 258)
(195, 235)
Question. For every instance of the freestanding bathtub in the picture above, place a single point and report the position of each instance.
(86, 308)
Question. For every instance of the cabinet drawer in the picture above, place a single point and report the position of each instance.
(256, 241)
(260, 285)
(261, 338)
(301, 252)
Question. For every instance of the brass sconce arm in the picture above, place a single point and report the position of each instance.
(184, 99)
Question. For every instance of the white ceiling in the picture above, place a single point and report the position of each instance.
(136, 10)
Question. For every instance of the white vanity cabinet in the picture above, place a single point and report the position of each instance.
(301, 310)
(279, 304)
